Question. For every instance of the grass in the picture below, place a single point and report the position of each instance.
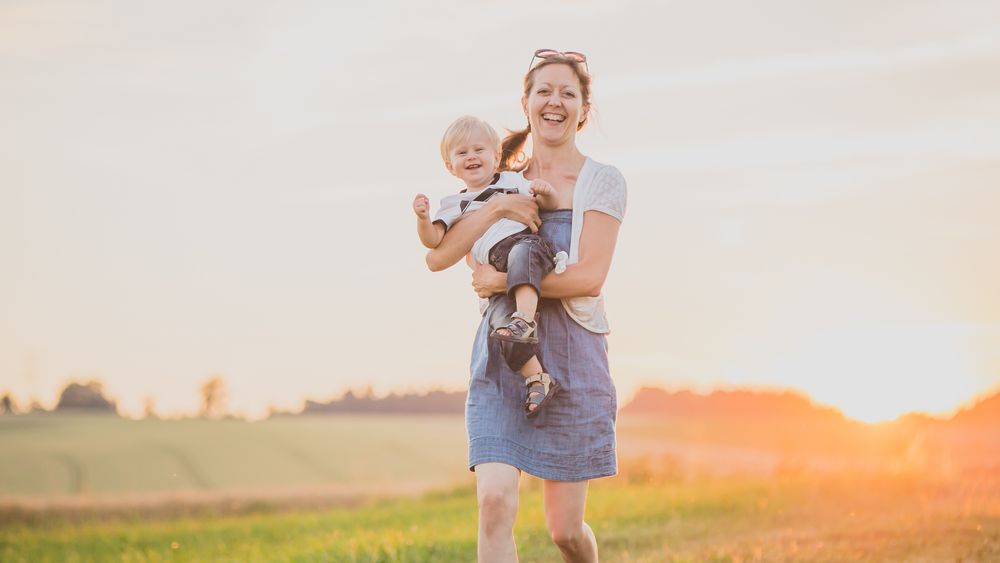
(220, 491)
(789, 518)
(73, 455)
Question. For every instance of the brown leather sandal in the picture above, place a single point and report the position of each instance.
(536, 396)
(521, 329)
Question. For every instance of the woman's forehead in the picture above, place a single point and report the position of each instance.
(557, 75)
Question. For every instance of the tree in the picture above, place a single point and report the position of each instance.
(7, 404)
(149, 408)
(89, 396)
(213, 396)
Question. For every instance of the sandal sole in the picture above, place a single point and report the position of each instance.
(553, 389)
(513, 339)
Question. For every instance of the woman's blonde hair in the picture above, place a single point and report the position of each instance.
(462, 128)
(512, 156)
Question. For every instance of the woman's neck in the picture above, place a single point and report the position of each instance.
(546, 159)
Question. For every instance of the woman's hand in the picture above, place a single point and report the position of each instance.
(487, 281)
(517, 207)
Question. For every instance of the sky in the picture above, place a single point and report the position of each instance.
(191, 189)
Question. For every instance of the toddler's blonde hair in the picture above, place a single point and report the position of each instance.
(462, 128)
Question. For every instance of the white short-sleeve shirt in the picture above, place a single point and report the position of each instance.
(455, 206)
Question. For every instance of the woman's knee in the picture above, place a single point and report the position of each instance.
(566, 537)
(497, 508)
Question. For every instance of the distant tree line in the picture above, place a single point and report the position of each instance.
(443, 402)
(86, 396)
(90, 396)
(75, 396)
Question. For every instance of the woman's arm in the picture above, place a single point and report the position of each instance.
(458, 240)
(585, 278)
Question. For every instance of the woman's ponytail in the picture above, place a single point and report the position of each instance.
(512, 155)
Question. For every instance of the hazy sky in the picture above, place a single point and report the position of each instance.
(190, 189)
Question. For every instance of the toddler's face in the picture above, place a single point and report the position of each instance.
(473, 160)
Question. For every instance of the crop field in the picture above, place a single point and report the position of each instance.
(100, 458)
(335, 489)
(722, 519)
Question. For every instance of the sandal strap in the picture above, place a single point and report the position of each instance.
(519, 315)
(539, 378)
(519, 327)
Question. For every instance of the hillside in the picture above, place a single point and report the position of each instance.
(768, 429)
(984, 410)
(741, 404)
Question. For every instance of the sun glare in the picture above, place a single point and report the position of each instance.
(877, 374)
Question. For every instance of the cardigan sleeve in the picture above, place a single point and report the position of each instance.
(608, 193)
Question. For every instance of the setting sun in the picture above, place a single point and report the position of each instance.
(877, 373)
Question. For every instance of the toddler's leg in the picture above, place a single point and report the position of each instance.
(527, 299)
(516, 354)
(531, 367)
(528, 261)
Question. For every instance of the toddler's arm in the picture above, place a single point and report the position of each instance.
(544, 193)
(430, 233)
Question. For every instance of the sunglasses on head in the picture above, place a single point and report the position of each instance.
(571, 55)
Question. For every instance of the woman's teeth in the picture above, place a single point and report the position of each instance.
(553, 117)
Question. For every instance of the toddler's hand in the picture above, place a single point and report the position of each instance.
(541, 188)
(421, 206)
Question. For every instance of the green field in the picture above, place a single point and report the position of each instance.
(732, 519)
(395, 488)
(73, 456)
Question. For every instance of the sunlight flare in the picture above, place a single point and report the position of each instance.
(879, 373)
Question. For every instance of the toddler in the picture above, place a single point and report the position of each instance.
(471, 151)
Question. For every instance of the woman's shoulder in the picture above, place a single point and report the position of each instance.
(606, 191)
(606, 176)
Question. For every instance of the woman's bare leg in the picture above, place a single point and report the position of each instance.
(565, 503)
(496, 490)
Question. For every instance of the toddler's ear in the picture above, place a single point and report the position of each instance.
(447, 164)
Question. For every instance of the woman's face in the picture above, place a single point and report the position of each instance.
(554, 105)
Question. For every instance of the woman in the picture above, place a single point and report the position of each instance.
(573, 438)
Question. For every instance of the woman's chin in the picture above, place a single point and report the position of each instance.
(554, 138)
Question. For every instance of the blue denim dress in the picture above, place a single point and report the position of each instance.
(573, 438)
